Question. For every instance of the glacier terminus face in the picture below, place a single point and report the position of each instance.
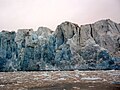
(87, 47)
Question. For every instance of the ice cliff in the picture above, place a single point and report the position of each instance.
(69, 47)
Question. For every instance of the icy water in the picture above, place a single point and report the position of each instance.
(61, 80)
(81, 86)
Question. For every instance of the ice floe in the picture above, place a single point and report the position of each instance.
(91, 78)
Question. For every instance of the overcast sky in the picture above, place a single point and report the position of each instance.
(17, 14)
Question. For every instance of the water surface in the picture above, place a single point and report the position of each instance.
(81, 86)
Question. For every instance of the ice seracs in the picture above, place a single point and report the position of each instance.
(69, 47)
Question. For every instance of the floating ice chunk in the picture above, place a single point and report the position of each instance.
(45, 74)
(104, 80)
(76, 88)
(76, 75)
(36, 78)
(83, 74)
(16, 84)
(2, 85)
(115, 74)
(47, 79)
(89, 78)
(61, 79)
(112, 70)
(76, 81)
(91, 86)
(19, 82)
(76, 70)
(96, 45)
(1, 77)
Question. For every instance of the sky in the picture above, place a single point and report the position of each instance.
(25, 14)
